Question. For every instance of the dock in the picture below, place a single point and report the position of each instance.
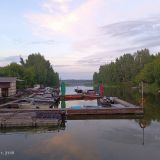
(103, 111)
(24, 114)
(30, 118)
(53, 117)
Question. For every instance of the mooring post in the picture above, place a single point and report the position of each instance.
(142, 94)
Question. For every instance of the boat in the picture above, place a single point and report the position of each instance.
(90, 92)
(72, 97)
(105, 101)
(79, 97)
(78, 90)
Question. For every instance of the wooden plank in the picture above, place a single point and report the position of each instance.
(122, 102)
(105, 111)
(80, 111)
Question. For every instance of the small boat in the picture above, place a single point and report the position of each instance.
(90, 92)
(78, 90)
(105, 101)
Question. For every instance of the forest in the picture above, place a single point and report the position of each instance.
(131, 69)
(34, 70)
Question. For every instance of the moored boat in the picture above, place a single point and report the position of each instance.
(79, 97)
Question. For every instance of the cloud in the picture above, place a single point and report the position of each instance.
(6, 60)
(96, 31)
(60, 17)
(62, 65)
(116, 39)
(44, 42)
(56, 6)
(65, 146)
(142, 30)
(76, 75)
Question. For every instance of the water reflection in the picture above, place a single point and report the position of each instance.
(151, 101)
(92, 137)
(33, 130)
(65, 146)
(63, 104)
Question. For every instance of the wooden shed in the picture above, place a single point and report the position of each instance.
(7, 86)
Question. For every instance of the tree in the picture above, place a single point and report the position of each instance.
(44, 73)
(34, 70)
(130, 68)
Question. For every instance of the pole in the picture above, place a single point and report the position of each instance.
(142, 94)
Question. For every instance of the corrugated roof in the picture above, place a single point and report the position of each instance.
(7, 79)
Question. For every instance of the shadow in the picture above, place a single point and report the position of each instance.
(33, 130)
(101, 117)
(63, 104)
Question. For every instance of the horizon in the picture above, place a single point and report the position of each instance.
(77, 36)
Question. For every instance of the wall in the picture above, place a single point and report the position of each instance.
(12, 89)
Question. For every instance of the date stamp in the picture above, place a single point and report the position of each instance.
(7, 153)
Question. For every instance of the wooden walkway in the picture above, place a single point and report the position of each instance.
(29, 117)
(25, 119)
(53, 117)
(81, 111)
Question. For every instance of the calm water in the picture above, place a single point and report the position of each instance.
(115, 139)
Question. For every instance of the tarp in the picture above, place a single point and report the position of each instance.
(63, 88)
(75, 107)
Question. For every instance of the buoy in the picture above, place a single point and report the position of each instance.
(143, 124)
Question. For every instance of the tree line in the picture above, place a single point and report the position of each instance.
(34, 70)
(131, 68)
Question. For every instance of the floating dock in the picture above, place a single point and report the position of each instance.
(30, 118)
(14, 114)
(103, 111)
(53, 117)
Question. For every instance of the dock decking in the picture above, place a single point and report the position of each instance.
(25, 116)
(52, 117)
(25, 119)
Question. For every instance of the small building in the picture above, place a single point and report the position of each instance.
(7, 86)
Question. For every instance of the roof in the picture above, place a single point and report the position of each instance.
(7, 79)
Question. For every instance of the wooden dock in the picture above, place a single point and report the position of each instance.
(105, 117)
(104, 111)
(53, 117)
(25, 119)
(33, 117)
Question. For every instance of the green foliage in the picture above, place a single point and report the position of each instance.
(12, 69)
(35, 70)
(141, 66)
(150, 72)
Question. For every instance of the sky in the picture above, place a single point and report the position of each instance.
(77, 36)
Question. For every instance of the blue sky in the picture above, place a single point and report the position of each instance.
(77, 36)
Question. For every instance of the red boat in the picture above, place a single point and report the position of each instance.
(79, 97)
(72, 97)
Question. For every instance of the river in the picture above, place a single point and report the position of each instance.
(98, 139)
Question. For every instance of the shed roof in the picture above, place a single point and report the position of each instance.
(7, 79)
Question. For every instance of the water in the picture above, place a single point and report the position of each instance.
(115, 139)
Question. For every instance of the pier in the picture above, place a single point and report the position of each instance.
(53, 117)
(24, 113)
